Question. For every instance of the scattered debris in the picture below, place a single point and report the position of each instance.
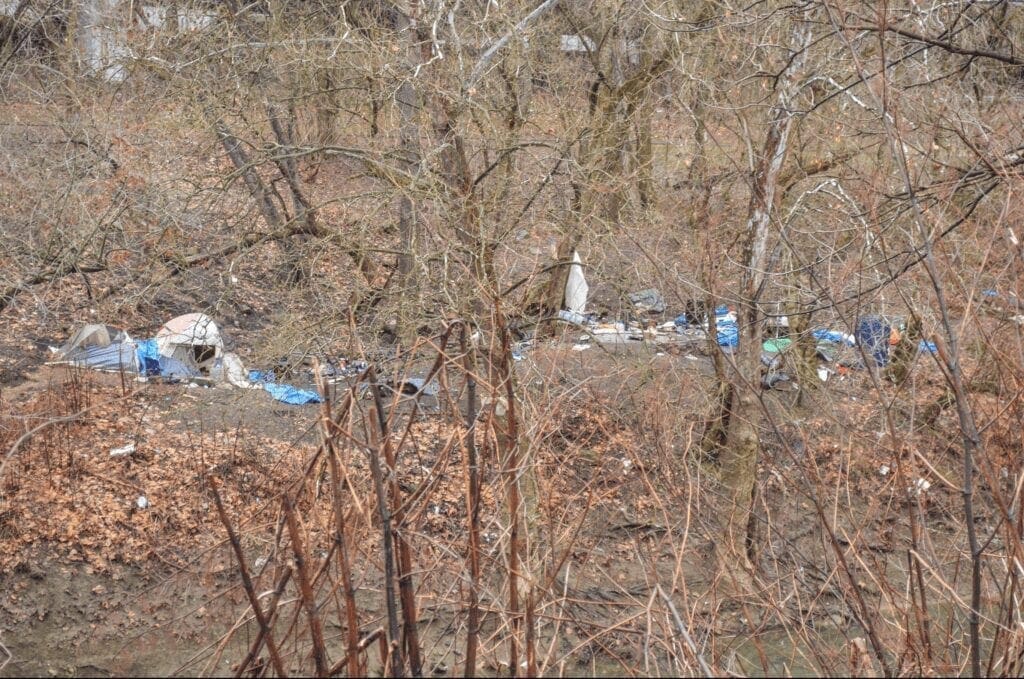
(580, 347)
(920, 486)
(777, 346)
(774, 380)
(695, 313)
(728, 331)
(123, 451)
(573, 317)
(834, 336)
(410, 386)
(142, 502)
(649, 300)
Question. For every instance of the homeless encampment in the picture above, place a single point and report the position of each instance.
(186, 347)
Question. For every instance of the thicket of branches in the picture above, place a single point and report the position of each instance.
(393, 167)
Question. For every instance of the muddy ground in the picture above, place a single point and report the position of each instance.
(152, 591)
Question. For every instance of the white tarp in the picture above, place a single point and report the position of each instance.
(576, 287)
(230, 371)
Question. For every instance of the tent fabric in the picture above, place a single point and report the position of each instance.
(152, 363)
(91, 336)
(119, 356)
(193, 339)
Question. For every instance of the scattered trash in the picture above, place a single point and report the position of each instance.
(410, 386)
(123, 451)
(777, 326)
(774, 379)
(142, 502)
(580, 347)
(573, 317)
(920, 486)
(834, 336)
(726, 328)
(777, 346)
(884, 470)
(924, 345)
(649, 300)
(824, 374)
(695, 313)
(609, 328)
(773, 361)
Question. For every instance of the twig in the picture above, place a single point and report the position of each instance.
(305, 589)
(681, 626)
(250, 591)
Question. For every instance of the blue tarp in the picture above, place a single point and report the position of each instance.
(873, 334)
(727, 331)
(834, 336)
(148, 356)
(285, 393)
(291, 395)
(927, 346)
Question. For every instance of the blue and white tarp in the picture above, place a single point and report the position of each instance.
(834, 336)
(152, 363)
(727, 331)
(118, 357)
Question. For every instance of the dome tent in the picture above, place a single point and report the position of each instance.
(194, 340)
(100, 347)
(93, 335)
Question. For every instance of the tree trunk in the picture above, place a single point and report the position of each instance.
(100, 38)
(740, 456)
